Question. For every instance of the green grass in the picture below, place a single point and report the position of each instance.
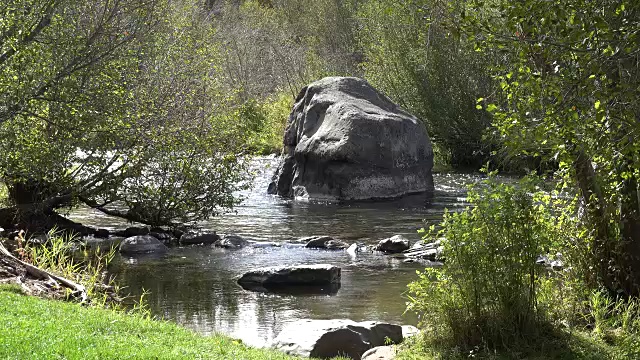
(556, 344)
(34, 328)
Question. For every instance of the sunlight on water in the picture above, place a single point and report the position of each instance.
(196, 286)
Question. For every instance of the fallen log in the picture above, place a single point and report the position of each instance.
(78, 291)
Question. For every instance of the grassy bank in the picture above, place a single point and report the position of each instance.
(552, 344)
(33, 328)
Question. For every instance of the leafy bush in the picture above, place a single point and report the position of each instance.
(264, 122)
(486, 294)
(411, 56)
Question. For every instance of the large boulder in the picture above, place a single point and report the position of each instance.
(346, 141)
(393, 245)
(326, 339)
(142, 244)
(323, 276)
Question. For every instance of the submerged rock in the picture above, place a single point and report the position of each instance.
(141, 244)
(347, 141)
(393, 245)
(324, 242)
(278, 278)
(326, 339)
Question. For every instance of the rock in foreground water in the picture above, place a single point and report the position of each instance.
(326, 339)
(291, 276)
(193, 238)
(347, 141)
(323, 242)
(142, 244)
(393, 245)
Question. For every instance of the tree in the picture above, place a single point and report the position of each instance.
(569, 81)
(414, 57)
(114, 104)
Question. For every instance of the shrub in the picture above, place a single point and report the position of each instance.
(486, 294)
(264, 122)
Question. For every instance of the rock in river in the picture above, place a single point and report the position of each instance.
(347, 141)
(325, 339)
(198, 238)
(323, 242)
(141, 244)
(291, 276)
(393, 245)
(232, 242)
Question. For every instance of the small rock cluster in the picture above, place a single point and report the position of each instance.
(325, 339)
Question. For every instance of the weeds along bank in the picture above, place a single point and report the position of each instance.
(496, 295)
(43, 318)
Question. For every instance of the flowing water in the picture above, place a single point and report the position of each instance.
(195, 286)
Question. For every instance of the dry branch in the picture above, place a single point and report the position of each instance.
(78, 291)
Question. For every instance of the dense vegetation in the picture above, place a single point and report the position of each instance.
(108, 103)
(566, 78)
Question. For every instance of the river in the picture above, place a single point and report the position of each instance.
(195, 286)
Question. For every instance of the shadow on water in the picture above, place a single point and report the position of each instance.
(196, 286)
(309, 290)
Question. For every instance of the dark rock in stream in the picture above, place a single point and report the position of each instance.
(323, 242)
(132, 231)
(102, 233)
(326, 339)
(141, 244)
(393, 245)
(164, 237)
(346, 140)
(193, 238)
(232, 242)
(302, 276)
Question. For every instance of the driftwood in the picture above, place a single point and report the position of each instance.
(77, 291)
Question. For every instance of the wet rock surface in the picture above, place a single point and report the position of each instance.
(347, 141)
(393, 245)
(303, 277)
(141, 244)
(325, 339)
(323, 242)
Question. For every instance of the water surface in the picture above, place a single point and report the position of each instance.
(195, 286)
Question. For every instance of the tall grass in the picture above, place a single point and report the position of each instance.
(491, 299)
(58, 255)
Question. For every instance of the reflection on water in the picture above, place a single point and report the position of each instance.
(196, 286)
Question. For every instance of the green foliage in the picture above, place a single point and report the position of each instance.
(117, 106)
(43, 329)
(57, 256)
(429, 71)
(486, 294)
(568, 88)
(4, 195)
(551, 344)
(264, 123)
